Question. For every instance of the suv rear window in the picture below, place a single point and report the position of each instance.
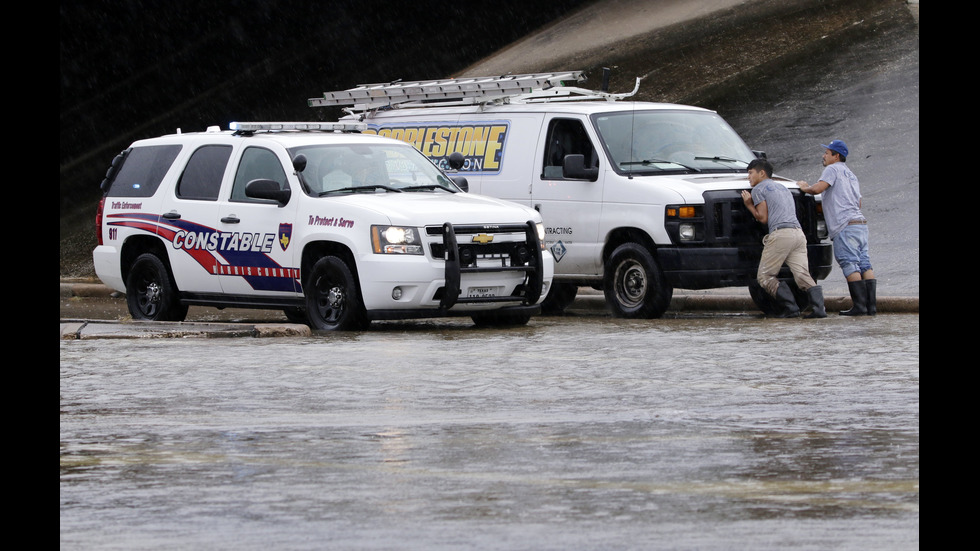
(202, 175)
(143, 170)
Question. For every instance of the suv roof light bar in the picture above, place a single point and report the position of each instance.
(373, 96)
(346, 126)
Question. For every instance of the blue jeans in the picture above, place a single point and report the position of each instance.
(851, 249)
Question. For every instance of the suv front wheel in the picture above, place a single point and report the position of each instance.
(333, 301)
(150, 292)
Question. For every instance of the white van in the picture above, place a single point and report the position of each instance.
(637, 198)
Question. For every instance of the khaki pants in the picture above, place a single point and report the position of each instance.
(784, 245)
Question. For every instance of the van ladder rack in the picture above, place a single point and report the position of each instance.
(434, 93)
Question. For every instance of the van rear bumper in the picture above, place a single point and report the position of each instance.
(713, 267)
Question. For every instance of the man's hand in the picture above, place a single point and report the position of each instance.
(747, 198)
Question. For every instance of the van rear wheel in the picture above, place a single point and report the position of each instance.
(634, 284)
(560, 296)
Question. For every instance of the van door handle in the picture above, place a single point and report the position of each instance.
(172, 215)
(231, 219)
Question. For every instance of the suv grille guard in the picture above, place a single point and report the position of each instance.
(455, 269)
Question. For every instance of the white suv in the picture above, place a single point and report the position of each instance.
(333, 227)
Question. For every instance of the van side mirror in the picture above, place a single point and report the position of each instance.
(460, 182)
(759, 154)
(267, 189)
(574, 167)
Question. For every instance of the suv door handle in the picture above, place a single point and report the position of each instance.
(231, 219)
(172, 215)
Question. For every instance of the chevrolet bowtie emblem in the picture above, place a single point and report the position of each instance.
(482, 238)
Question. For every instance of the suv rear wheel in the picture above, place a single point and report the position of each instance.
(150, 291)
(333, 300)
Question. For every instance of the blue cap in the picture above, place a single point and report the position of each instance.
(838, 146)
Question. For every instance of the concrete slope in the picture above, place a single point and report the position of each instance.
(787, 74)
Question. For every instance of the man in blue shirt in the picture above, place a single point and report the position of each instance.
(847, 227)
(771, 203)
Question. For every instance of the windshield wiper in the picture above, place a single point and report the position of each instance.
(426, 186)
(719, 158)
(648, 162)
(359, 188)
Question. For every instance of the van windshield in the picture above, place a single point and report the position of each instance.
(352, 168)
(648, 142)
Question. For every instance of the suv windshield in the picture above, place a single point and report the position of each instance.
(648, 142)
(351, 168)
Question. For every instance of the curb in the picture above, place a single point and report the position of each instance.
(735, 303)
(90, 329)
(589, 302)
(680, 302)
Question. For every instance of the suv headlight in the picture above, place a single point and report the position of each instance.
(395, 240)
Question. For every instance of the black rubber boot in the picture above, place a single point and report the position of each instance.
(815, 295)
(785, 298)
(859, 299)
(871, 286)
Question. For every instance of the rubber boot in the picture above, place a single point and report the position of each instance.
(871, 286)
(815, 294)
(859, 299)
(785, 298)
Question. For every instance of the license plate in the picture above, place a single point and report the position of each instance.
(481, 292)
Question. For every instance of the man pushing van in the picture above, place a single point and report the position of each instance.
(771, 203)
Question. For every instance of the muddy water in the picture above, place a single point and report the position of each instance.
(691, 433)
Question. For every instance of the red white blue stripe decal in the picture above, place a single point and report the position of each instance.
(237, 254)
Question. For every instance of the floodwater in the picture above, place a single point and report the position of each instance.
(701, 432)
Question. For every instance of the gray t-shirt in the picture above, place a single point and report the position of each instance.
(842, 199)
(779, 203)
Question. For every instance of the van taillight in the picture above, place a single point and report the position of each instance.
(98, 221)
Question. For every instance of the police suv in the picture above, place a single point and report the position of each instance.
(638, 198)
(334, 227)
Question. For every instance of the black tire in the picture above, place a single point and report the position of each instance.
(767, 304)
(634, 284)
(501, 319)
(296, 315)
(151, 293)
(560, 297)
(333, 299)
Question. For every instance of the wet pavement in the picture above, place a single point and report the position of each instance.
(707, 430)
(724, 431)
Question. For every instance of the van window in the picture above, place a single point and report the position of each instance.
(651, 141)
(202, 176)
(257, 163)
(567, 137)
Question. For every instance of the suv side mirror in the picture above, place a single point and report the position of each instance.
(267, 189)
(574, 167)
